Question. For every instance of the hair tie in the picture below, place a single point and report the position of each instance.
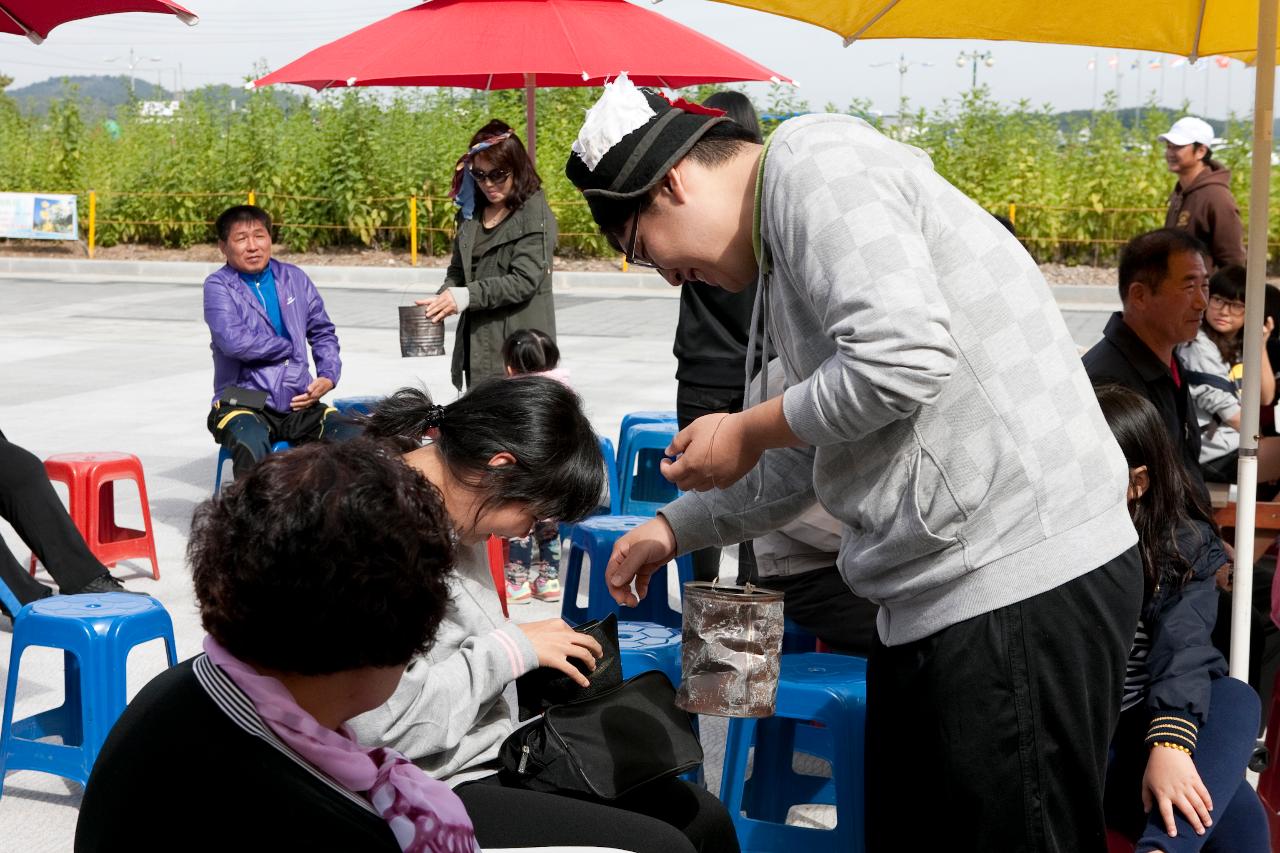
(435, 416)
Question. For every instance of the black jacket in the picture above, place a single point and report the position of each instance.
(209, 784)
(1121, 358)
(711, 336)
(1179, 620)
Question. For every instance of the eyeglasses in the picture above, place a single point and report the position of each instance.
(493, 176)
(1235, 309)
(630, 256)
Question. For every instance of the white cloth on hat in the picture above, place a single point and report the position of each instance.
(1189, 129)
(621, 109)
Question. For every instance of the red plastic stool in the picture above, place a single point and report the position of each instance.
(93, 475)
(496, 550)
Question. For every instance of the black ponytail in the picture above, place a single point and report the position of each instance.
(558, 471)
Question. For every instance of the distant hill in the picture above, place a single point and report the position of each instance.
(101, 93)
(101, 96)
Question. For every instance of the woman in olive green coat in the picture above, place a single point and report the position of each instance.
(500, 277)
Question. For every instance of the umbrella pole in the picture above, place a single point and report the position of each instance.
(1255, 295)
(531, 118)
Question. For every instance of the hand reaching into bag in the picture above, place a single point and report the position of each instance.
(556, 644)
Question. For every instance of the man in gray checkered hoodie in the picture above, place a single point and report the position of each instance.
(937, 407)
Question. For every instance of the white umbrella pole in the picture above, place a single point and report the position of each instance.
(1255, 296)
(531, 118)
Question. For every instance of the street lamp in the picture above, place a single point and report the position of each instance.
(974, 57)
(133, 61)
(903, 67)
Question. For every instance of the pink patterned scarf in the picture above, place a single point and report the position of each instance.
(425, 814)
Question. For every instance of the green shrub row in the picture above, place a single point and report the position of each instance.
(338, 169)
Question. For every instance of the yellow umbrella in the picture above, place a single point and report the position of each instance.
(1193, 28)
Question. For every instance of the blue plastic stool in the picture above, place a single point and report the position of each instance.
(95, 632)
(611, 468)
(351, 406)
(632, 418)
(794, 638)
(644, 489)
(594, 538)
(645, 646)
(224, 456)
(831, 690)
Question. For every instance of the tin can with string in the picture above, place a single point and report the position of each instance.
(418, 335)
(730, 650)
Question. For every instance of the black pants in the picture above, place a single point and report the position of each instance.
(666, 817)
(822, 603)
(998, 727)
(29, 503)
(249, 434)
(692, 402)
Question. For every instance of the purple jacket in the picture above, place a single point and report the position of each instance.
(246, 350)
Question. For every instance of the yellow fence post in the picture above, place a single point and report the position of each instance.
(253, 199)
(1013, 214)
(624, 263)
(413, 230)
(93, 219)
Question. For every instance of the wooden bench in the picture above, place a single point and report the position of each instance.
(1224, 512)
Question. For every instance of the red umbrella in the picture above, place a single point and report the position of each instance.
(35, 18)
(509, 44)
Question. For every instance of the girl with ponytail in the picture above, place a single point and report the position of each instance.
(497, 475)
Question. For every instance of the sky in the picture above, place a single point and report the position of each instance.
(235, 36)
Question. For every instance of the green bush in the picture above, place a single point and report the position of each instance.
(338, 168)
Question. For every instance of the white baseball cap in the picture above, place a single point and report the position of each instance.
(1190, 129)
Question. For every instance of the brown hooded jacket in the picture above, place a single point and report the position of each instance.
(1208, 210)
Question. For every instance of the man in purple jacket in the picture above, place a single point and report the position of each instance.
(261, 315)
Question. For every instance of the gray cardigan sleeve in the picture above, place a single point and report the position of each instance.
(446, 695)
(746, 509)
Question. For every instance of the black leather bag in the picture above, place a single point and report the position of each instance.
(539, 689)
(606, 745)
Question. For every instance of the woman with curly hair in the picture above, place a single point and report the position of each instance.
(318, 577)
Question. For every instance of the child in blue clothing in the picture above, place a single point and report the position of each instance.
(1176, 781)
(533, 562)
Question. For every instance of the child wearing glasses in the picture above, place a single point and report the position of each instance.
(533, 561)
(1215, 373)
(500, 275)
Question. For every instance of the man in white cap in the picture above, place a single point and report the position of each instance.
(937, 408)
(1201, 202)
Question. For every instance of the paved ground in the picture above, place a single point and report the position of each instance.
(93, 364)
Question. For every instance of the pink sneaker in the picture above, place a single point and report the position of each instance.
(546, 584)
(518, 593)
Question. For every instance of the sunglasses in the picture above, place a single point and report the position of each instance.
(493, 176)
(630, 255)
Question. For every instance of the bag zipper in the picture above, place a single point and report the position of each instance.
(524, 758)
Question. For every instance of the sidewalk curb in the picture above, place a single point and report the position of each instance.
(1070, 297)
(425, 279)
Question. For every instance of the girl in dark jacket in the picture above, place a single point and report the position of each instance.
(1176, 781)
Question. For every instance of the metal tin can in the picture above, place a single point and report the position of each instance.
(418, 335)
(731, 645)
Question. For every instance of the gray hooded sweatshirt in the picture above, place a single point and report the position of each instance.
(954, 432)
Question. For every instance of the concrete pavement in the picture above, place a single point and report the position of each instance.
(121, 362)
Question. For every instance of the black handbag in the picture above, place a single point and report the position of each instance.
(606, 745)
(539, 689)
